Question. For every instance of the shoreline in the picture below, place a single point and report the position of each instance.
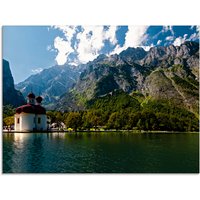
(98, 131)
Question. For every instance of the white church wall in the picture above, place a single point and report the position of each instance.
(17, 122)
(27, 122)
(42, 125)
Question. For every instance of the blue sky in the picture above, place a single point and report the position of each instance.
(29, 49)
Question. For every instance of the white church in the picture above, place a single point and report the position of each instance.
(32, 116)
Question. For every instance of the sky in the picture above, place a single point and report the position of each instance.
(30, 49)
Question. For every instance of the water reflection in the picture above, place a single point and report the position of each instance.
(94, 152)
(55, 135)
(25, 151)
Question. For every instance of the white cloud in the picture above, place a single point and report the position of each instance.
(134, 38)
(36, 71)
(80, 44)
(135, 35)
(168, 28)
(86, 43)
(194, 36)
(110, 34)
(64, 45)
(159, 42)
(90, 43)
(169, 38)
(73, 63)
(117, 50)
(147, 48)
(64, 49)
(180, 40)
(68, 31)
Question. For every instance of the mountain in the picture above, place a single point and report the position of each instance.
(11, 96)
(168, 73)
(51, 83)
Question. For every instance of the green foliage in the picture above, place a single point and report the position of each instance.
(114, 102)
(8, 121)
(55, 116)
(181, 69)
(193, 81)
(177, 67)
(92, 118)
(183, 83)
(138, 95)
(148, 120)
(81, 98)
(73, 120)
(191, 86)
(133, 119)
(115, 121)
(8, 110)
(122, 111)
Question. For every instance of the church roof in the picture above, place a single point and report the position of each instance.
(30, 108)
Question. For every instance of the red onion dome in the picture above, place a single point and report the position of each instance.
(31, 95)
(39, 99)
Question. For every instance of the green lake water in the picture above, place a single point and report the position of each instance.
(100, 153)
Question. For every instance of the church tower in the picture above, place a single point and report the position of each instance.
(32, 116)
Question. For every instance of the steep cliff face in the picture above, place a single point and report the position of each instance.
(169, 73)
(10, 94)
(175, 76)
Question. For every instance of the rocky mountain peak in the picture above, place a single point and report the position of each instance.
(133, 54)
(169, 73)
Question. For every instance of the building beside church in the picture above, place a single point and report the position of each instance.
(32, 116)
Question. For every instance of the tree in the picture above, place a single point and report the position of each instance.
(51, 115)
(59, 118)
(8, 121)
(114, 121)
(92, 118)
(148, 120)
(56, 117)
(73, 120)
(8, 110)
(133, 118)
(139, 124)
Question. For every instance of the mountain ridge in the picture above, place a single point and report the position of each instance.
(50, 83)
(153, 73)
(164, 72)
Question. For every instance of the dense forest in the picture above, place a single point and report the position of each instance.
(121, 111)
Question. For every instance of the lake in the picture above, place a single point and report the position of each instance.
(108, 152)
